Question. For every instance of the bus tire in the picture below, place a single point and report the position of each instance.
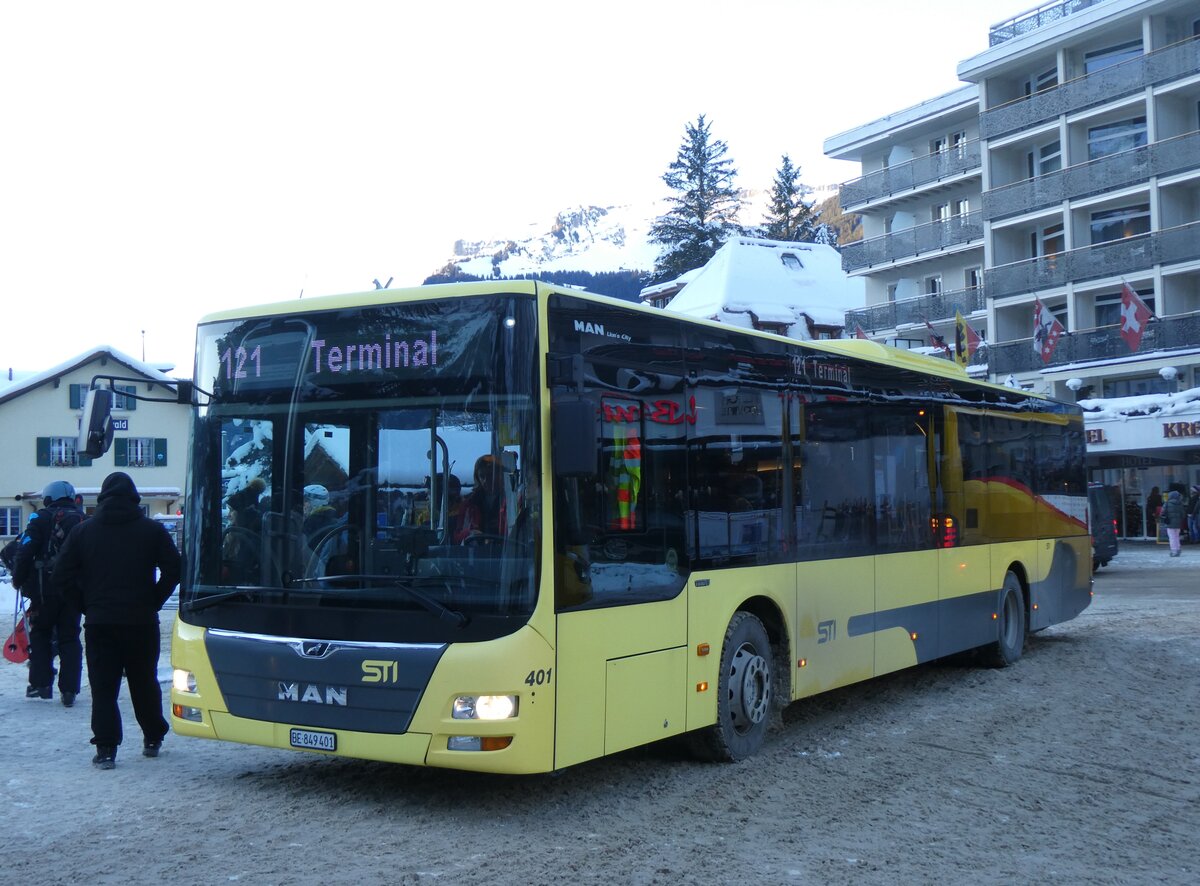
(745, 694)
(1010, 625)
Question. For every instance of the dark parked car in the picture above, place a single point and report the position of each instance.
(1103, 525)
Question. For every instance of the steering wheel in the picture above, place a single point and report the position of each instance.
(480, 538)
(325, 546)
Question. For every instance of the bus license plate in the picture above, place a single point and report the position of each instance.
(314, 741)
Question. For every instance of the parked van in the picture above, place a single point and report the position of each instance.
(1103, 525)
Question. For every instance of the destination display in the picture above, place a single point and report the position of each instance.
(371, 345)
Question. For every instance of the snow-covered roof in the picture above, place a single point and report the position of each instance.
(1181, 403)
(32, 381)
(776, 282)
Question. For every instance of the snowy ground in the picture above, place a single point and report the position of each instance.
(1081, 763)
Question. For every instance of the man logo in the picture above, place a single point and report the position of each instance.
(314, 650)
(313, 694)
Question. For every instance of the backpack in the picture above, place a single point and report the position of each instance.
(64, 520)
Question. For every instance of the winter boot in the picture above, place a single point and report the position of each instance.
(151, 748)
(67, 699)
(106, 757)
(39, 692)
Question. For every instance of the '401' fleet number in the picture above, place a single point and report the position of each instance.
(539, 677)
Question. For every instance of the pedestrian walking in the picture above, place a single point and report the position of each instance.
(1174, 516)
(1194, 515)
(108, 566)
(54, 620)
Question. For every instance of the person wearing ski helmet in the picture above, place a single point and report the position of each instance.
(53, 619)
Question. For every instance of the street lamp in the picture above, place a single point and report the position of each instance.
(1075, 384)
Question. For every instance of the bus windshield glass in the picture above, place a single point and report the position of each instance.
(367, 474)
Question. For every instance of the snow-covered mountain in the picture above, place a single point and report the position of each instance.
(597, 239)
(583, 238)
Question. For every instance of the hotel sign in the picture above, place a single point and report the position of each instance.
(1176, 429)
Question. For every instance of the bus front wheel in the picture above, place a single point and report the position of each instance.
(745, 694)
(1010, 625)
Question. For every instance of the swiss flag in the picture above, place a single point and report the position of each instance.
(1046, 331)
(1134, 317)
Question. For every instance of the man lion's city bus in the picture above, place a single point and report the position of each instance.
(510, 527)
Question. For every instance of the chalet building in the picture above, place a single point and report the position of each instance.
(40, 414)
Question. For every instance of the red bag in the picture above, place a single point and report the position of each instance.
(16, 647)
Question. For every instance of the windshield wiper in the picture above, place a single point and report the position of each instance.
(218, 599)
(400, 583)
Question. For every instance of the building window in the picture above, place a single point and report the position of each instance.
(1045, 160)
(891, 292)
(123, 397)
(933, 285)
(62, 452)
(10, 521)
(962, 207)
(1113, 55)
(1113, 138)
(1048, 241)
(958, 144)
(791, 261)
(941, 212)
(938, 145)
(1041, 82)
(973, 278)
(1108, 307)
(1118, 224)
(139, 452)
(1137, 387)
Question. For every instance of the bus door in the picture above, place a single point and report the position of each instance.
(960, 515)
(619, 578)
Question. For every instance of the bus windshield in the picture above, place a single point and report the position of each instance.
(367, 474)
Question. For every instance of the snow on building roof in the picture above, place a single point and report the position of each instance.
(1181, 403)
(771, 281)
(32, 381)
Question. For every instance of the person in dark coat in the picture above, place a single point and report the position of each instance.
(108, 566)
(54, 621)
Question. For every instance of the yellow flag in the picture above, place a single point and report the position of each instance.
(962, 351)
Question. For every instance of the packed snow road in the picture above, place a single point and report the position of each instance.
(1082, 762)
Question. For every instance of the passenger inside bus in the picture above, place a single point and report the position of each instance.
(483, 510)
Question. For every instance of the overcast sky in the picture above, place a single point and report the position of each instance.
(163, 159)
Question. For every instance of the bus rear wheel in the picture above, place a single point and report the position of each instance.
(1010, 625)
(745, 694)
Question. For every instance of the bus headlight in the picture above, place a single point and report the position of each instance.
(485, 707)
(184, 681)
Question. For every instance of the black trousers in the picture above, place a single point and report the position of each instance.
(131, 651)
(52, 616)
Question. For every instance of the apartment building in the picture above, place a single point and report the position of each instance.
(1088, 180)
(922, 252)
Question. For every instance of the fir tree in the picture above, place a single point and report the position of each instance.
(788, 216)
(703, 212)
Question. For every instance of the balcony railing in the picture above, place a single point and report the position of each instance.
(1095, 177)
(1112, 259)
(918, 240)
(1032, 19)
(1126, 78)
(1102, 343)
(922, 308)
(906, 176)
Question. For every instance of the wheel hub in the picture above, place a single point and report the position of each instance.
(749, 688)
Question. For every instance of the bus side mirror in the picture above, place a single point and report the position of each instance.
(95, 427)
(574, 437)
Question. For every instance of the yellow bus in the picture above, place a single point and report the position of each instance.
(511, 527)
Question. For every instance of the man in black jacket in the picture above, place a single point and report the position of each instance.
(108, 567)
(54, 621)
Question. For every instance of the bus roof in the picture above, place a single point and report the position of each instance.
(870, 351)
